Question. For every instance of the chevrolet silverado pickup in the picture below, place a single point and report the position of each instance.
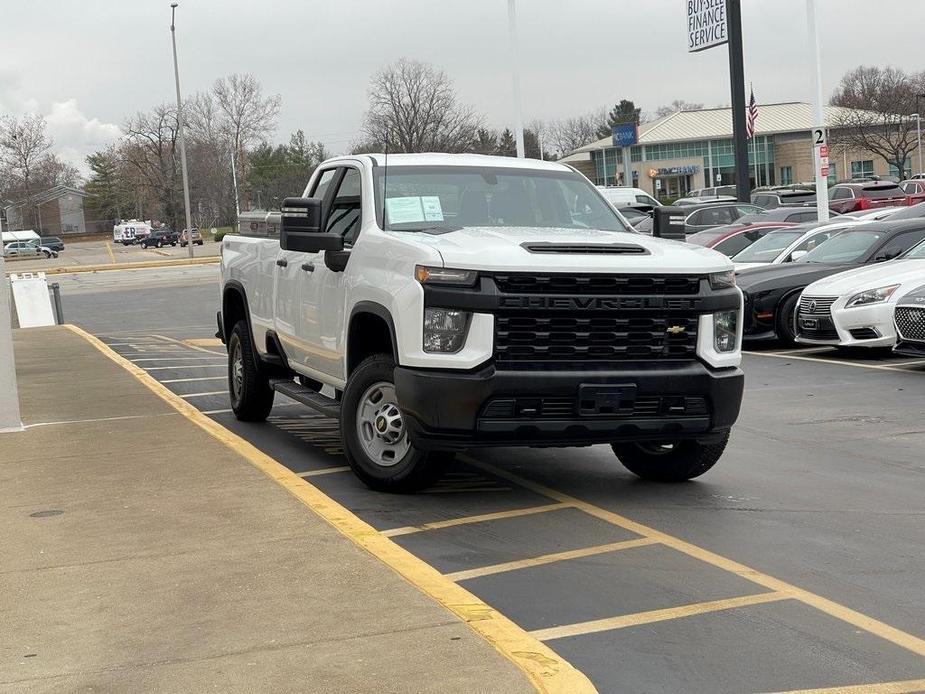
(437, 303)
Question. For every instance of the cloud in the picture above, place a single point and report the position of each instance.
(77, 135)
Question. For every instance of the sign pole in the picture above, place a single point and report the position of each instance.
(737, 88)
(515, 76)
(820, 145)
(627, 168)
(10, 419)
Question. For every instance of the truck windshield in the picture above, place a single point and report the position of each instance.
(449, 198)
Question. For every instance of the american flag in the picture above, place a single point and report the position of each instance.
(752, 117)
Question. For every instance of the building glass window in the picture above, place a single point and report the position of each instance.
(862, 169)
(786, 175)
(905, 173)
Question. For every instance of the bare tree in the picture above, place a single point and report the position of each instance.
(246, 116)
(413, 107)
(150, 149)
(876, 103)
(675, 106)
(23, 144)
(569, 134)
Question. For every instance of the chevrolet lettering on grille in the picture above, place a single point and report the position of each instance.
(596, 302)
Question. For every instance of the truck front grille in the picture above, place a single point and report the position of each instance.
(910, 323)
(549, 337)
(598, 284)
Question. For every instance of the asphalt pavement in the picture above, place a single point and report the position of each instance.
(794, 565)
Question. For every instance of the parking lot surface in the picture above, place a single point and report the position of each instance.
(791, 567)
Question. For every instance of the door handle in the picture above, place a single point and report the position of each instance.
(308, 267)
(282, 262)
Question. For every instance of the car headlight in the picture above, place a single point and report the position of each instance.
(725, 330)
(723, 280)
(872, 296)
(440, 275)
(445, 329)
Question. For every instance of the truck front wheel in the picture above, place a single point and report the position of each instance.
(670, 462)
(248, 386)
(375, 439)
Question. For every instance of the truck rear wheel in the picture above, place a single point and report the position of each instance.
(248, 385)
(670, 462)
(375, 439)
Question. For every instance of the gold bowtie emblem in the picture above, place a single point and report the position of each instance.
(676, 329)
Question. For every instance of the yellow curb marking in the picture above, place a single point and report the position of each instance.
(632, 620)
(544, 668)
(473, 519)
(829, 607)
(906, 687)
(549, 559)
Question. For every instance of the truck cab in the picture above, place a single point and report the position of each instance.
(458, 301)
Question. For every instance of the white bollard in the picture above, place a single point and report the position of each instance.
(10, 419)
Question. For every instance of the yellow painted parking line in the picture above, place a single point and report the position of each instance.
(632, 620)
(452, 522)
(833, 609)
(112, 257)
(841, 362)
(906, 687)
(204, 342)
(324, 471)
(549, 559)
(545, 669)
(188, 345)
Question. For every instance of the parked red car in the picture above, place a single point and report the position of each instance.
(851, 197)
(734, 238)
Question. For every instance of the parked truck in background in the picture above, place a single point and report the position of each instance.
(447, 302)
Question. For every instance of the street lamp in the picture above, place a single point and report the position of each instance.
(918, 130)
(176, 75)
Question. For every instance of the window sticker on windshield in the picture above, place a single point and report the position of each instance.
(404, 210)
(433, 211)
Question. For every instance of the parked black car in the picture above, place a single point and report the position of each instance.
(772, 199)
(771, 293)
(159, 238)
(703, 216)
(910, 324)
(52, 242)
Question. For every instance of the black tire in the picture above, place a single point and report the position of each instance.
(414, 470)
(46, 254)
(784, 320)
(683, 461)
(249, 391)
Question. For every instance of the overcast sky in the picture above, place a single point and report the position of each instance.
(88, 64)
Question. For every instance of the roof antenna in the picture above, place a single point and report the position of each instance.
(385, 182)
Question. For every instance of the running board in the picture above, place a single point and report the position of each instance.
(312, 398)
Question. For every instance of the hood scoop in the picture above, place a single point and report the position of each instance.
(585, 248)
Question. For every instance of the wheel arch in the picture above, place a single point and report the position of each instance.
(378, 329)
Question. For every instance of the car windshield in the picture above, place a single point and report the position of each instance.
(847, 247)
(767, 248)
(916, 252)
(449, 198)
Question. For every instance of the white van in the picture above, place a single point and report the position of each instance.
(129, 232)
(621, 196)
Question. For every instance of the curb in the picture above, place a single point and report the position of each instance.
(545, 669)
(208, 260)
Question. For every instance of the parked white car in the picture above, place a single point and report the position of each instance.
(787, 245)
(860, 302)
(621, 196)
(27, 249)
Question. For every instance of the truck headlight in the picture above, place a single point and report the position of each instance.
(445, 329)
(872, 296)
(723, 280)
(725, 330)
(443, 275)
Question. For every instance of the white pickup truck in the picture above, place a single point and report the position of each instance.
(456, 301)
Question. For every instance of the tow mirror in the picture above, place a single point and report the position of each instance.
(300, 227)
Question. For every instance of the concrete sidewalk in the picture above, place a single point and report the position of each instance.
(139, 553)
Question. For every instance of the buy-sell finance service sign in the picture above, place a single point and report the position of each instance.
(706, 24)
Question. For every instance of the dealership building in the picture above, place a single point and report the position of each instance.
(693, 149)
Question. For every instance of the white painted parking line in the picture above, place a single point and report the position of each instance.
(325, 471)
(200, 395)
(216, 411)
(200, 378)
(840, 362)
(187, 366)
(99, 419)
(135, 361)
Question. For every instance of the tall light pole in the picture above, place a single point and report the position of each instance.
(822, 182)
(176, 75)
(518, 111)
(918, 129)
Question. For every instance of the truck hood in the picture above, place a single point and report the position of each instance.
(503, 249)
(870, 277)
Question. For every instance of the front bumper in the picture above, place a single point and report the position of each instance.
(862, 326)
(447, 410)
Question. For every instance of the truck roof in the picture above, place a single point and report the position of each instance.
(443, 159)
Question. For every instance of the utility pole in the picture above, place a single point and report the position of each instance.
(176, 74)
(822, 180)
(737, 88)
(518, 110)
(10, 419)
(918, 128)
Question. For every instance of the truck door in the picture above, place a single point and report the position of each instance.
(323, 289)
(290, 312)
